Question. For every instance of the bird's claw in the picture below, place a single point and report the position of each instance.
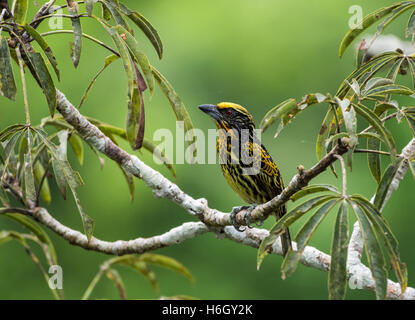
(247, 216)
(233, 214)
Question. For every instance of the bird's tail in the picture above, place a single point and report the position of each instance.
(285, 237)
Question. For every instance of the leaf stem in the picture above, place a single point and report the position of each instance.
(340, 158)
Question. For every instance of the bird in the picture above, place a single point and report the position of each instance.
(256, 182)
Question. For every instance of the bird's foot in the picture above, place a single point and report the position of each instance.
(247, 216)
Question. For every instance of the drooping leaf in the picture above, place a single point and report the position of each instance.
(89, 5)
(145, 26)
(108, 60)
(365, 72)
(374, 120)
(65, 175)
(410, 118)
(7, 82)
(366, 23)
(9, 151)
(303, 237)
(136, 264)
(129, 178)
(166, 262)
(36, 229)
(385, 233)
(77, 147)
(373, 159)
(39, 172)
(45, 47)
(276, 112)
(323, 133)
(19, 10)
(385, 183)
(381, 91)
(289, 218)
(76, 46)
(140, 57)
(176, 103)
(313, 189)
(115, 277)
(337, 272)
(374, 253)
(45, 79)
(116, 14)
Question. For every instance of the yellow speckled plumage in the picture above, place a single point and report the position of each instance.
(255, 188)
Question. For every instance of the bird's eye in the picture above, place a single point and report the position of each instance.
(229, 112)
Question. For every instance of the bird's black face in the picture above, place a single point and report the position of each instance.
(229, 115)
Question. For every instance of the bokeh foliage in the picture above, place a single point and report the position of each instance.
(259, 89)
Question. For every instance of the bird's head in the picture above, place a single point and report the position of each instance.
(229, 115)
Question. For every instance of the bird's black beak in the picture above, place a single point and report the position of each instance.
(211, 110)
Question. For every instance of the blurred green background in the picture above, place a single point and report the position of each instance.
(253, 52)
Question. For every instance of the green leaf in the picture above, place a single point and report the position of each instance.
(66, 175)
(159, 154)
(77, 147)
(410, 30)
(277, 112)
(385, 233)
(404, 6)
(411, 64)
(349, 117)
(303, 237)
(385, 183)
(115, 277)
(140, 57)
(45, 47)
(89, 5)
(367, 71)
(36, 229)
(145, 26)
(132, 119)
(116, 14)
(313, 189)
(374, 253)
(175, 102)
(19, 11)
(39, 172)
(9, 151)
(166, 262)
(285, 222)
(10, 130)
(393, 72)
(30, 189)
(389, 89)
(76, 46)
(337, 272)
(323, 133)
(45, 80)
(108, 60)
(7, 82)
(361, 54)
(136, 264)
(376, 122)
(410, 118)
(129, 178)
(366, 23)
(373, 159)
